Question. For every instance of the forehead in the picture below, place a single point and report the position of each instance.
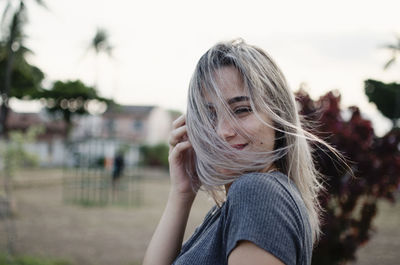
(229, 84)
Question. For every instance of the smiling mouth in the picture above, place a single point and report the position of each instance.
(239, 146)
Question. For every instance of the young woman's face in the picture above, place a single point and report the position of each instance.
(261, 137)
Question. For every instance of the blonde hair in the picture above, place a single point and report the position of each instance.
(216, 163)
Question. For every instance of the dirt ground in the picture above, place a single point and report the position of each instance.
(46, 226)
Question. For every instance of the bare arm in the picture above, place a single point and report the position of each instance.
(247, 252)
(166, 242)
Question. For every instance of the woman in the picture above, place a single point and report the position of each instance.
(242, 141)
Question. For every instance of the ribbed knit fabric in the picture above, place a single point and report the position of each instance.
(264, 208)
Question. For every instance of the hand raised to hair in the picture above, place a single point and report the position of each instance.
(180, 153)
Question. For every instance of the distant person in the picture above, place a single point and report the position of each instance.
(118, 168)
(243, 142)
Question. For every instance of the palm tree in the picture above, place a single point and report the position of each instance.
(395, 48)
(13, 21)
(100, 44)
(386, 96)
(11, 53)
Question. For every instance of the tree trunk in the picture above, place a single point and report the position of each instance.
(3, 117)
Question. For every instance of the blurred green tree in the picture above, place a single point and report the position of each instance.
(17, 77)
(385, 96)
(100, 44)
(72, 98)
(25, 78)
(395, 49)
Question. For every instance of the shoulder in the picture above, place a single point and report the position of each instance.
(266, 186)
(269, 197)
(267, 210)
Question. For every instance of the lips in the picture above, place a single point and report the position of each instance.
(239, 146)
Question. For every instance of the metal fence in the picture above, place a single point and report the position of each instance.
(90, 178)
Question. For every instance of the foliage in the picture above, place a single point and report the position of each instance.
(15, 155)
(101, 42)
(70, 98)
(395, 49)
(350, 202)
(17, 77)
(386, 98)
(29, 260)
(154, 155)
(25, 78)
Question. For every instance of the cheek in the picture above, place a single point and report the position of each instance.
(266, 138)
(263, 137)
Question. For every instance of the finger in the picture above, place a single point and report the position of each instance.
(177, 135)
(178, 149)
(181, 120)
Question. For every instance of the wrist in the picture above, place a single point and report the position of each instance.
(181, 199)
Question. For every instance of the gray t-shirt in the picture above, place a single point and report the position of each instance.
(264, 208)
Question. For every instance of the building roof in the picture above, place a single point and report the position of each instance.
(23, 121)
(137, 112)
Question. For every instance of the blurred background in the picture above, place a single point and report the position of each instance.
(89, 90)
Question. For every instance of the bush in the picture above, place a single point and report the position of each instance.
(154, 155)
(350, 203)
(14, 154)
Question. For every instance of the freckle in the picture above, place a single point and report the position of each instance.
(261, 143)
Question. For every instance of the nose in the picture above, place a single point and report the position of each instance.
(225, 129)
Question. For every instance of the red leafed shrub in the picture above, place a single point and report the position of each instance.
(350, 201)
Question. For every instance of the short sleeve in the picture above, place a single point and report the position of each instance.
(262, 210)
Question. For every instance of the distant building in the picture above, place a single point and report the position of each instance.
(98, 135)
(119, 127)
(50, 144)
(137, 124)
(17, 121)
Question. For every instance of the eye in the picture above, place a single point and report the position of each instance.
(242, 110)
(212, 114)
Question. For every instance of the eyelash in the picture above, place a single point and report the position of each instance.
(238, 111)
(241, 110)
(213, 116)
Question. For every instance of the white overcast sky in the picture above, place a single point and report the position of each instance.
(326, 44)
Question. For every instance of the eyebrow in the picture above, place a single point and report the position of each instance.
(238, 99)
(231, 101)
